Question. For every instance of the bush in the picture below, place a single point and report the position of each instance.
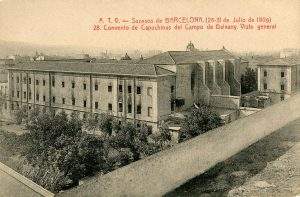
(199, 121)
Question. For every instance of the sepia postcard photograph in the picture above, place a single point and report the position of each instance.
(137, 98)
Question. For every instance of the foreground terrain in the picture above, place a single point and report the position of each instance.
(269, 167)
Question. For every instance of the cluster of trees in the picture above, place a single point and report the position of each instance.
(59, 150)
(199, 121)
(248, 81)
(58, 145)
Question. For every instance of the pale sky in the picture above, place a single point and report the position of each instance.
(69, 22)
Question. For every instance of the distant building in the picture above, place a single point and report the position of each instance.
(289, 53)
(147, 91)
(280, 77)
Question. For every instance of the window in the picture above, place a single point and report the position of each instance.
(44, 98)
(63, 100)
(44, 82)
(265, 86)
(53, 99)
(18, 94)
(96, 105)
(53, 81)
(282, 86)
(282, 74)
(172, 89)
(281, 97)
(109, 88)
(12, 76)
(96, 86)
(12, 93)
(120, 88)
(29, 95)
(138, 89)
(24, 79)
(150, 111)
(18, 80)
(129, 89)
(265, 73)
(29, 107)
(29, 80)
(129, 108)
(120, 107)
(84, 86)
(109, 106)
(63, 84)
(139, 109)
(149, 91)
(73, 101)
(37, 82)
(73, 84)
(37, 96)
(84, 103)
(24, 93)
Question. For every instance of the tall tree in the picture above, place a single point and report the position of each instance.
(199, 121)
(249, 81)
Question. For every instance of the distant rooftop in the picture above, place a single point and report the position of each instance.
(281, 62)
(128, 69)
(186, 57)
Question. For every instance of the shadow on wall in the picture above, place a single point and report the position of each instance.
(232, 173)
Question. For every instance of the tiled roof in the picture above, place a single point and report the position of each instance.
(281, 62)
(185, 57)
(95, 68)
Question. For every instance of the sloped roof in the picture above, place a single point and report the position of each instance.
(185, 57)
(281, 62)
(95, 68)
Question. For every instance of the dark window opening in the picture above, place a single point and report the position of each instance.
(29, 80)
(138, 90)
(265, 86)
(63, 84)
(265, 73)
(109, 106)
(44, 82)
(84, 86)
(120, 88)
(18, 94)
(73, 84)
(139, 109)
(96, 87)
(282, 86)
(63, 100)
(73, 101)
(44, 98)
(172, 89)
(24, 95)
(96, 105)
(109, 88)
(53, 99)
(282, 74)
(129, 89)
(120, 107)
(129, 108)
(37, 97)
(37, 82)
(84, 103)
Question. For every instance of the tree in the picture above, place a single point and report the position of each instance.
(199, 121)
(56, 141)
(248, 81)
(21, 114)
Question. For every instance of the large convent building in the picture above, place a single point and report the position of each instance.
(148, 90)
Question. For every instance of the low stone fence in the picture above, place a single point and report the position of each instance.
(166, 170)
